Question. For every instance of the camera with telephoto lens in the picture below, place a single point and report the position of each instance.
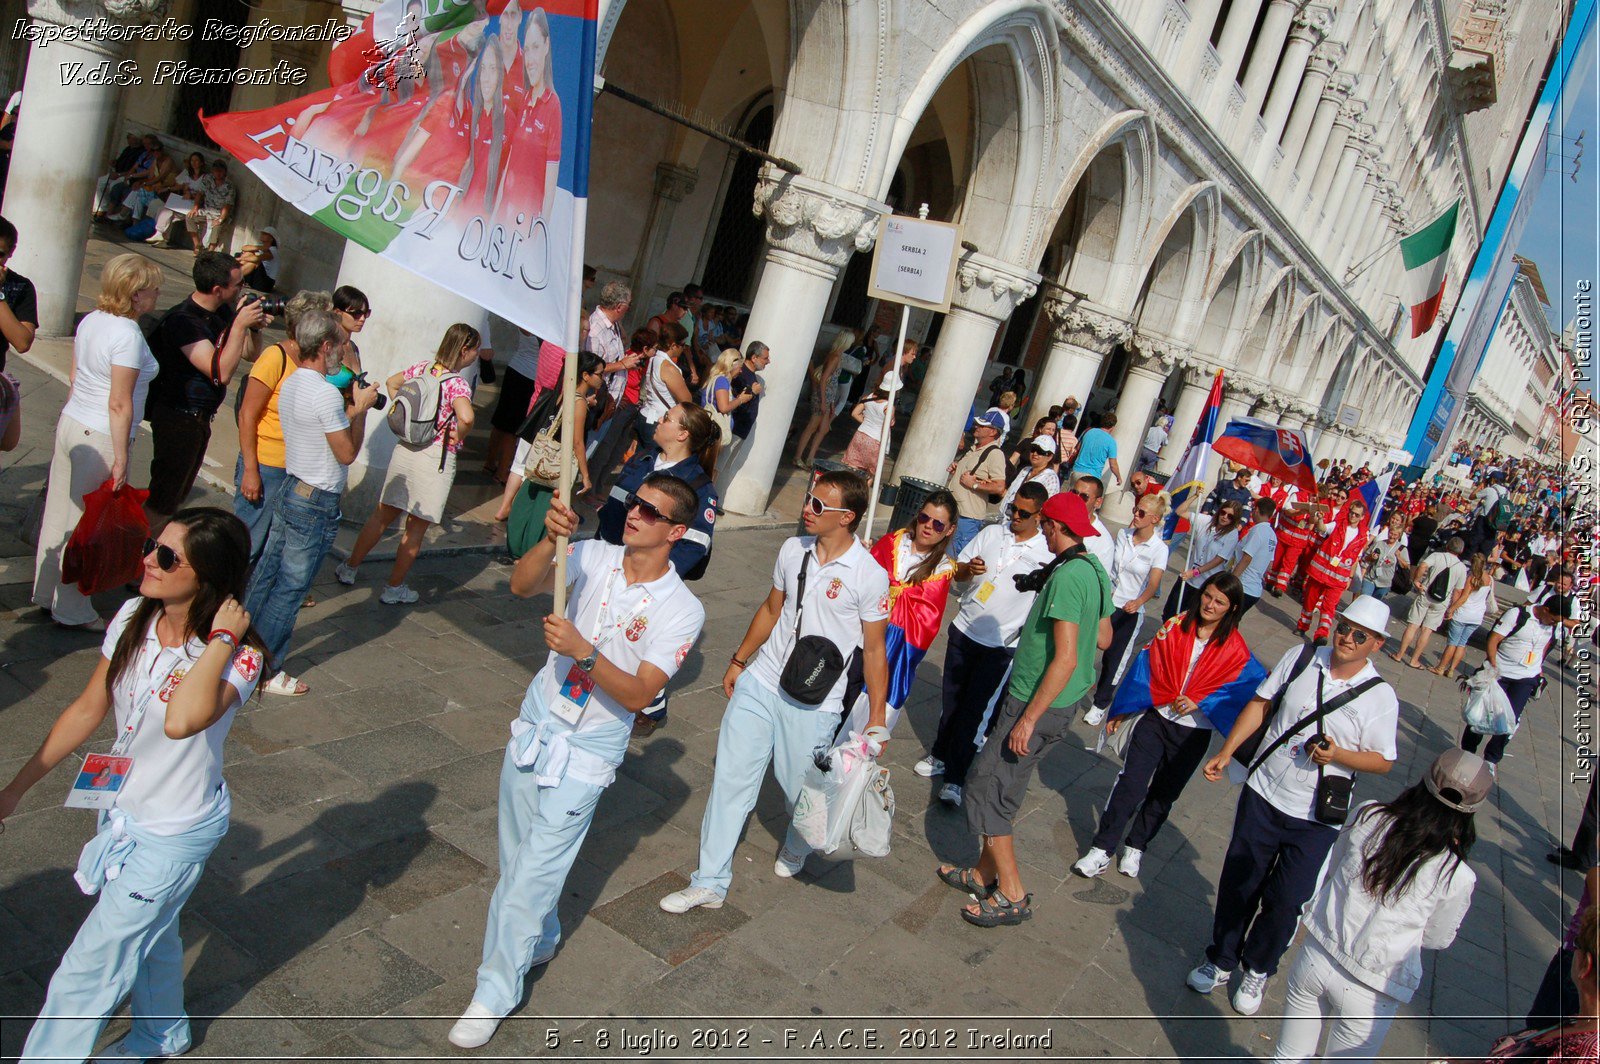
(272, 306)
(380, 400)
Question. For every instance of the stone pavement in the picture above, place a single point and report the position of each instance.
(343, 915)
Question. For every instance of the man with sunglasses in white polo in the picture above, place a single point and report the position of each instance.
(1328, 717)
(629, 625)
(785, 683)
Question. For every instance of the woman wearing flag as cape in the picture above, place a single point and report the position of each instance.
(1193, 678)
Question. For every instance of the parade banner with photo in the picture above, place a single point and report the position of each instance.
(453, 141)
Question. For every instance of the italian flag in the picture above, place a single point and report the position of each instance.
(1426, 254)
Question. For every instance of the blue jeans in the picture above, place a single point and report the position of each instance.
(257, 516)
(304, 523)
(966, 528)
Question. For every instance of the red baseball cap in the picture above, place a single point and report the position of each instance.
(1069, 511)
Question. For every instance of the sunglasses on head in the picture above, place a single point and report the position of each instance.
(1357, 636)
(167, 559)
(931, 521)
(818, 507)
(649, 512)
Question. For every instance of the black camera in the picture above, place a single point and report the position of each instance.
(270, 305)
(380, 400)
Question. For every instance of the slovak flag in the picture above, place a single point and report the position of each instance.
(1270, 449)
(1190, 476)
(1373, 493)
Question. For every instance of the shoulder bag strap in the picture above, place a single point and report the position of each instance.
(800, 591)
(1301, 663)
(1338, 702)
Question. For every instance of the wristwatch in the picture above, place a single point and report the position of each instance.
(586, 663)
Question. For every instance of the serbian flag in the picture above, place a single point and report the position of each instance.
(1426, 254)
(915, 611)
(453, 140)
(1190, 476)
(1224, 679)
(1373, 492)
(1266, 448)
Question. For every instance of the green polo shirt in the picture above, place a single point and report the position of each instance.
(1078, 591)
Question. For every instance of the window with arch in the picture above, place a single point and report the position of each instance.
(737, 239)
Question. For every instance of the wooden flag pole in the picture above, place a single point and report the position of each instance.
(569, 393)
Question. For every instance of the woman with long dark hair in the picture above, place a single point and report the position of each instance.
(1397, 883)
(176, 663)
(1193, 678)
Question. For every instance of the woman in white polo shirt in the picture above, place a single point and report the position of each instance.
(174, 669)
(1139, 561)
(1213, 541)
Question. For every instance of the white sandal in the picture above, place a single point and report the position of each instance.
(285, 685)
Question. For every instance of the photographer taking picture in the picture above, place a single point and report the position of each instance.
(322, 434)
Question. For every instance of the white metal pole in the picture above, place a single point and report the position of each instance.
(888, 417)
(569, 392)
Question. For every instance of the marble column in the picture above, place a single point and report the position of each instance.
(1080, 339)
(1342, 222)
(1202, 17)
(812, 230)
(987, 291)
(1308, 104)
(1264, 56)
(1330, 167)
(1343, 177)
(1235, 38)
(1197, 379)
(1334, 97)
(59, 149)
(1308, 30)
(673, 184)
(409, 315)
(1151, 361)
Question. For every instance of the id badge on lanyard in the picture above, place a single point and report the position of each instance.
(100, 781)
(577, 688)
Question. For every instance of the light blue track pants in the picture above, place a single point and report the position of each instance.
(760, 726)
(128, 944)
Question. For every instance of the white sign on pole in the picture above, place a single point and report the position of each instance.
(914, 262)
(1349, 416)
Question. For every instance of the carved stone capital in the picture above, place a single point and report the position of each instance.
(1353, 111)
(1325, 58)
(990, 287)
(1073, 322)
(815, 220)
(1339, 88)
(73, 13)
(674, 182)
(1157, 354)
(1313, 22)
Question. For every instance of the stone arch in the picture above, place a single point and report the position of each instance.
(1266, 323)
(1301, 338)
(1299, 371)
(1105, 205)
(1175, 264)
(1229, 299)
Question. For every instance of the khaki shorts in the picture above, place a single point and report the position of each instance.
(1426, 612)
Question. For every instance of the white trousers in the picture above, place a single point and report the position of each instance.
(1361, 1015)
(81, 463)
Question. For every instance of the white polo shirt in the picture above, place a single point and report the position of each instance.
(1204, 546)
(1288, 778)
(1261, 543)
(631, 624)
(1521, 655)
(1132, 563)
(175, 783)
(994, 618)
(841, 596)
(1103, 546)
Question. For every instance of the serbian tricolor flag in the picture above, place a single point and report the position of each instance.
(1269, 449)
(1426, 254)
(1190, 476)
(1224, 679)
(453, 140)
(915, 612)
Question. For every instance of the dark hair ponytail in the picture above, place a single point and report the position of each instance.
(216, 545)
(1419, 827)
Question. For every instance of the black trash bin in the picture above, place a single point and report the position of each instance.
(909, 499)
(818, 467)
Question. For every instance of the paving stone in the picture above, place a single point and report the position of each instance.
(293, 777)
(329, 990)
(446, 931)
(281, 919)
(403, 873)
(675, 938)
(381, 757)
(235, 1022)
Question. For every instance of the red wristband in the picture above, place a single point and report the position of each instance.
(222, 631)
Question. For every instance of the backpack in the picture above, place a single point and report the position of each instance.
(414, 412)
(1439, 586)
(1501, 513)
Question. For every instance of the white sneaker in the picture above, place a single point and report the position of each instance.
(475, 1027)
(1247, 999)
(1207, 977)
(929, 766)
(398, 596)
(345, 574)
(789, 863)
(682, 901)
(1131, 859)
(951, 794)
(1092, 863)
(1095, 717)
(118, 1053)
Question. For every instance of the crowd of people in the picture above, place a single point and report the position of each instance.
(1047, 631)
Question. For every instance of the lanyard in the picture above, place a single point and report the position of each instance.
(141, 706)
(603, 620)
(1022, 552)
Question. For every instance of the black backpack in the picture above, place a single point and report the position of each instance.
(1439, 586)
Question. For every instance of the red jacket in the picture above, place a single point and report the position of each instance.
(1333, 563)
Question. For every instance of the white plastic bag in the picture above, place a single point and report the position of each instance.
(873, 820)
(1488, 710)
(829, 795)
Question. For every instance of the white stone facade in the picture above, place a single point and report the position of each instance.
(1520, 375)
(1154, 189)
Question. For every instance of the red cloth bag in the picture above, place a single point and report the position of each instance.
(107, 548)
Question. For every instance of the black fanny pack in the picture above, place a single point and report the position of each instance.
(815, 663)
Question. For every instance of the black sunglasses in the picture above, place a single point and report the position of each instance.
(648, 511)
(1357, 636)
(937, 525)
(1019, 514)
(167, 559)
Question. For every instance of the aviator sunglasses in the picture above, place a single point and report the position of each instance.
(167, 559)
